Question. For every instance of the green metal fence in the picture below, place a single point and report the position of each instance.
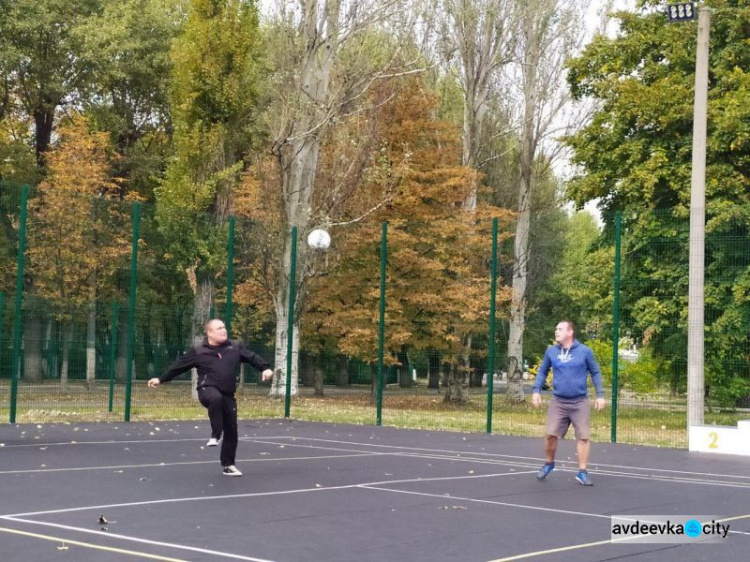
(95, 299)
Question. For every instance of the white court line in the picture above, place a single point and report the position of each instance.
(534, 459)
(489, 502)
(137, 540)
(499, 462)
(252, 494)
(184, 463)
(65, 542)
(74, 443)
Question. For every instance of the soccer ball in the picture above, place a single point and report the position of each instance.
(319, 239)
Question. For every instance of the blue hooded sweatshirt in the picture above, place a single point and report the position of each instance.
(570, 367)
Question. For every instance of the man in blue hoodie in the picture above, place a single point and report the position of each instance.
(571, 362)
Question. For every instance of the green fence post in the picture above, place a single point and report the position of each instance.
(113, 354)
(616, 325)
(290, 325)
(18, 315)
(491, 350)
(131, 310)
(230, 277)
(381, 322)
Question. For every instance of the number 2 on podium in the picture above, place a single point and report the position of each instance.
(714, 443)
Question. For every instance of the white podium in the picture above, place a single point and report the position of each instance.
(720, 439)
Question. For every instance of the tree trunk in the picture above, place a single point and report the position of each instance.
(121, 363)
(457, 391)
(91, 345)
(44, 118)
(278, 386)
(404, 376)
(319, 376)
(32, 349)
(66, 339)
(343, 371)
(532, 33)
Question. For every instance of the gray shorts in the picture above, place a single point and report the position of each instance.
(562, 413)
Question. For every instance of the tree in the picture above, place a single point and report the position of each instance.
(215, 90)
(41, 62)
(635, 155)
(328, 54)
(128, 44)
(438, 283)
(476, 35)
(547, 33)
(74, 248)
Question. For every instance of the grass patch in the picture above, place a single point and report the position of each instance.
(656, 423)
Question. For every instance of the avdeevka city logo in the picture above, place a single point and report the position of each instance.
(667, 529)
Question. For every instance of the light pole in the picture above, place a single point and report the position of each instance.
(696, 300)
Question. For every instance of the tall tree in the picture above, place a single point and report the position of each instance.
(547, 34)
(329, 53)
(476, 38)
(438, 283)
(215, 90)
(41, 58)
(128, 44)
(635, 156)
(74, 249)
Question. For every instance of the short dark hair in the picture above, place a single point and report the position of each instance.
(570, 325)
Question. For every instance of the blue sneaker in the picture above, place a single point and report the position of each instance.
(545, 470)
(583, 478)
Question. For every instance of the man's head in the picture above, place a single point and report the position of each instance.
(565, 333)
(216, 332)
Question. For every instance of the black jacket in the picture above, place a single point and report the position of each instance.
(216, 364)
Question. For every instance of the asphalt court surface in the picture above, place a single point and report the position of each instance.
(325, 492)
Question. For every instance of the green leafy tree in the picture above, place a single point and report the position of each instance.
(214, 92)
(635, 155)
(41, 58)
(128, 45)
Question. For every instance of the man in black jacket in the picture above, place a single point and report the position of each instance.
(216, 360)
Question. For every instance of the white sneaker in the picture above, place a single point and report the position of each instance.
(231, 470)
(212, 442)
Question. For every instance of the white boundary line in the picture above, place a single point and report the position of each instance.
(88, 545)
(137, 540)
(74, 443)
(534, 459)
(253, 494)
(500, 462)
(489, 502)
(184, 463)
